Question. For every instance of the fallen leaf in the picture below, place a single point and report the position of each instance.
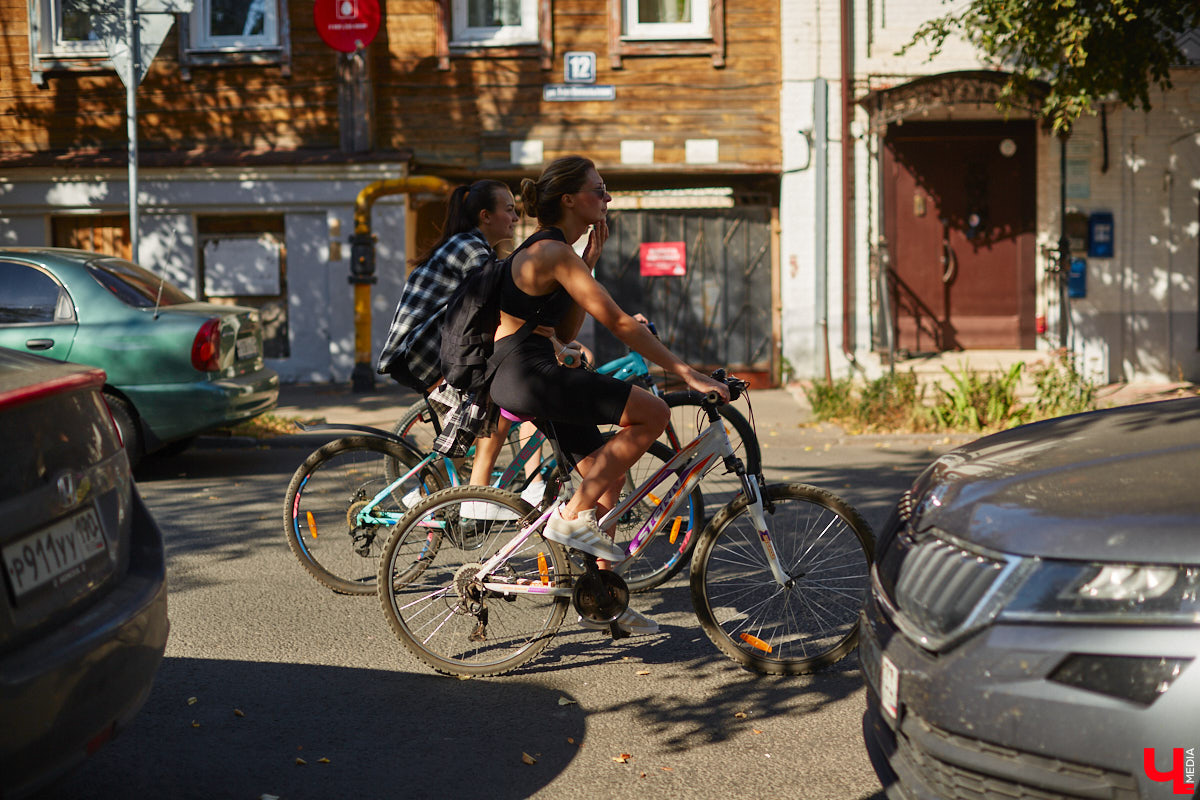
(668, 769)
(300, 762)
(642, 672)
(566, 701)
(193, 700)
(755, 730)
(268, 797)
(570, 740)
(322, 760)
(623, 758)
(643, 775)
(237, 712)
(740, 715)
(195, 724)
(464, 677)
(528, 759)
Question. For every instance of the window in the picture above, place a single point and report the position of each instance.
(494, 22)
(666, 28)
(32, 297)
(234, 25)
(67, 34)
(243, 261)
(666, 19)
(496, 28)
(74, 28)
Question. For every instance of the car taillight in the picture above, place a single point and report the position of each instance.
(206, 348)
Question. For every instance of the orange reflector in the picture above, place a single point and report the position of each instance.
(675, 529)
(543, 570)
(312, 524)
(653, 498)
(755, 642)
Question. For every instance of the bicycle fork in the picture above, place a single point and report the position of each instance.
(753, 491)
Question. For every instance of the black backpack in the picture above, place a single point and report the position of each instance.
(471, 318)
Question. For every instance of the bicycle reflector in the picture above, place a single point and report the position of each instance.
(312, 524)
(675, 529)
(543, 570)
(755, 642)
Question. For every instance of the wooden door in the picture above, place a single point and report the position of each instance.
(959, 220)
(100, 233)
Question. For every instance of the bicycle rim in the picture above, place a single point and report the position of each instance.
(822, 543)
(668, 551)
(329, 520)
(720, 487)
(444, 617)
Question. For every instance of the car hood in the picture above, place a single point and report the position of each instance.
(1119, 484)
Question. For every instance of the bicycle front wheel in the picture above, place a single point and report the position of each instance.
(334, 518)
(442, 613)
(824, 547)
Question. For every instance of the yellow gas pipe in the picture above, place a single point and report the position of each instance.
(362, 264)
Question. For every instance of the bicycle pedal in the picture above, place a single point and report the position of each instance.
(617, 631)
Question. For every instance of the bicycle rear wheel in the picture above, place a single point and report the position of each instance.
(328, 517)
(668, 551)
(823, 545)
(445, 617)
(720, 487)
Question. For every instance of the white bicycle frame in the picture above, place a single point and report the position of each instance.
(690, 465)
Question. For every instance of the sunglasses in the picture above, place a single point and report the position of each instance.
(600, 191)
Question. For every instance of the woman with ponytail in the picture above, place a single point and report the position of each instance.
(549, 280)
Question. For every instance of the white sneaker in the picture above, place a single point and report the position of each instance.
(477, 509)
(631, 622)
(534, 492)
(412, 498)
(582, 533)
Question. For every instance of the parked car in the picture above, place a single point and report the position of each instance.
(176, 367)
(1035, 614)
(83, 623)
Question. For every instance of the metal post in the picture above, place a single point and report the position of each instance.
(131, 36)
(1064, 245)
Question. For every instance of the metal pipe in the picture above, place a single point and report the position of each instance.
(362, 264)
(821, 189)
(847, 78)
(131, 84)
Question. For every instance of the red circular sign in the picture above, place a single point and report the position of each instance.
(346, 25)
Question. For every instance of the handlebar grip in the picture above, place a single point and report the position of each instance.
(653, 329)
(568, 360)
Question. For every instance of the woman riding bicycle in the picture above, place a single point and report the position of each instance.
(550, 281)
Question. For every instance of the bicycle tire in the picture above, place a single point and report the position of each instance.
(415, 426)
(720, 487)
(322, 496)
(434, 614)
(664, 555)
(822, 542)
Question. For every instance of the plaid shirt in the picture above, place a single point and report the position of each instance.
(415, 334)
(464, 417)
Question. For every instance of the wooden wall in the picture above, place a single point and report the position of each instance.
(461, 118)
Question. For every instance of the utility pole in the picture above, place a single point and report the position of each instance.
(131, 84)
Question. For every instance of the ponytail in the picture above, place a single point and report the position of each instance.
(462, 212)
(543, 198)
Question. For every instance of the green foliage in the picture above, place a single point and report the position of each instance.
(1085, 50)
(892, 402)
(980, 402)
(1061, 390)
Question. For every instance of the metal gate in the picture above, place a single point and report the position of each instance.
(718, 313)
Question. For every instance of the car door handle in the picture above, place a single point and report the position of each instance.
(39, 344)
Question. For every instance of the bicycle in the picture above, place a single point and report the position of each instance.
(778, 577)
(354, 489)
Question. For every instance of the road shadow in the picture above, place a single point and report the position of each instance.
(385, 734)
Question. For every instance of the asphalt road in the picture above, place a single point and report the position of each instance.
(265, 669)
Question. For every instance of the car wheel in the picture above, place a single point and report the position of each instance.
(127, 425)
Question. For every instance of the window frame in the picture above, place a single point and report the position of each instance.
(450, 44)
(195, 51)
(48, 52)
(493, 36)
(663, 41)
(63, 312)
(649, 31)
(199, 41)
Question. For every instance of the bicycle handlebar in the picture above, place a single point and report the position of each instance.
(736, 387)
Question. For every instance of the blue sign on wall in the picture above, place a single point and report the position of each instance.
(1077, 278)
(1100, 235)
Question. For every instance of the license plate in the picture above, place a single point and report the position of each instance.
(247, 347)
(889, 687)
(53, 553)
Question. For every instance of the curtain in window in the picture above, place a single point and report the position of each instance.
(493, 13)
(236, 17)
(651, 11)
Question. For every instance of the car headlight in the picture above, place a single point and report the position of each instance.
(1059, 591)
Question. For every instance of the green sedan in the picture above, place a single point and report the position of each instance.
(175, 367)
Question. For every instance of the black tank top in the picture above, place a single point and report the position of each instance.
(552, 307)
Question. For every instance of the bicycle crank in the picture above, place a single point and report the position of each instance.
(600, 595)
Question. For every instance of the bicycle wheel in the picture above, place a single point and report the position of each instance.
(823, 544)
(720, 487)
(416, 427)
(327, 515)
(442, 615)
(667, 552)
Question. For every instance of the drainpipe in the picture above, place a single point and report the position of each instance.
(362, 265)
(847, 77)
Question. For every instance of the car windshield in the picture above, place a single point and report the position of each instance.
(134, 285)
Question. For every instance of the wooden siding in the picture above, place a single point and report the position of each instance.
(462, 118)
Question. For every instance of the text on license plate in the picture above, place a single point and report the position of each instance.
(889, 686)
(247, 347)
(51, 553)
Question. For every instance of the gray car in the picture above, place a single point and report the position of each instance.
(1035, 615)
(83, 619)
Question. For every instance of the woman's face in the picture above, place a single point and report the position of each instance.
(499, 222)
(591, 201)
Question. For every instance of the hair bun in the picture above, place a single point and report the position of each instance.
(529, 196)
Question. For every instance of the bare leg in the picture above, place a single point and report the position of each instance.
(487, 450)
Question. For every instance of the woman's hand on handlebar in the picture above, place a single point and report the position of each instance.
(705, 384)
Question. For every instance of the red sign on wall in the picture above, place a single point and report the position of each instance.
(663, 258)
(346, 25)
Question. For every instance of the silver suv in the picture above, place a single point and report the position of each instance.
(1035, 615)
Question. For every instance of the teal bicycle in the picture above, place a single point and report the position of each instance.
(345, 498)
